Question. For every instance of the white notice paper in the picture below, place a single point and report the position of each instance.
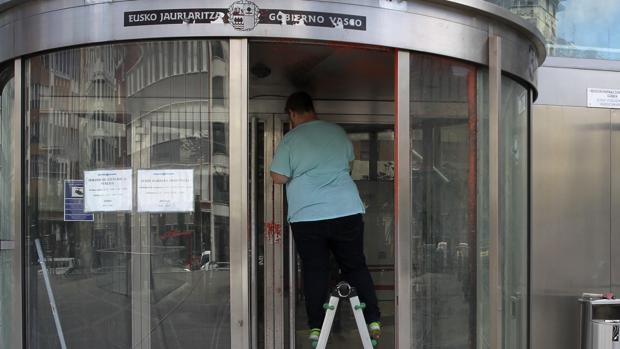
(603, 98)
(107, 191)
(166, 191)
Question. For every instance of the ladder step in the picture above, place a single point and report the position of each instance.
(344, 291)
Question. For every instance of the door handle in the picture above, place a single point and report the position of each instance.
(7, 245)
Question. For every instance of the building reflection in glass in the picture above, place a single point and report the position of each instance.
(130, 279)
(573, 28)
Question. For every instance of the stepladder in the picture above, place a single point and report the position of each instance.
(344, 291)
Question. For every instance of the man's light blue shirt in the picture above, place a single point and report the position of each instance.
(315, 156)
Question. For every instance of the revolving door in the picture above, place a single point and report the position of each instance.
(222, 270)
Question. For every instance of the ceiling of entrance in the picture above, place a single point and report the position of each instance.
(325, 71)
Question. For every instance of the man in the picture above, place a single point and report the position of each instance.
(324, 209)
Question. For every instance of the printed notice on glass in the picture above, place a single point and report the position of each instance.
(107, 191)
(166, 191)
(603, 98)
(74, 202)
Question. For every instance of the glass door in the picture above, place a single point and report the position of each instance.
(373, 173)
(128, 195)
(279, 304)
(445, 232)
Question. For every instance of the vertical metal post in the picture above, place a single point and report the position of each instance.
(530, 228)
(238, 109)
(292, 277)
(274, 247)
(404, 310)
(16, 203)
(278, 249)
(215, 250)
(268, 211)
(254, 254)
(495, 280)
(472, 202)
(141, 280)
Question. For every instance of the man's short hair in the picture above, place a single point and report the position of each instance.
(299, 102)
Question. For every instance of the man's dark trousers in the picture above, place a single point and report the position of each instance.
(344, 237)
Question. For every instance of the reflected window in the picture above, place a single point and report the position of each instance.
(219, 90)
(219, 138)
(217, 50)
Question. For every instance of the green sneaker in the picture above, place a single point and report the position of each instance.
(314, 334)
(375, 329)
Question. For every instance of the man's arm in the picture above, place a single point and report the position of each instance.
(281, 164)
(278, 178)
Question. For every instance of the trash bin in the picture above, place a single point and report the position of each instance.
(600, 322)
(605, 334)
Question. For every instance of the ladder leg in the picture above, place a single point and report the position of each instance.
(330, 312)
(361, 322)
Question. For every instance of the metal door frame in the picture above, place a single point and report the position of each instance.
(239, 194)
(16, 202)
(272, 223)
(403, 201)
(273, 219)
(15, 199)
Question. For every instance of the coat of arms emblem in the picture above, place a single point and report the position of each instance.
(243, 15)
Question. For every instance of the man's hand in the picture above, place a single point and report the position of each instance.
(278, 178)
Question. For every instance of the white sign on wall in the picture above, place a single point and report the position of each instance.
(166, 191)
(107, 191)
(603, 98)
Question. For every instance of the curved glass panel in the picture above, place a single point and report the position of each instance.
(514, 210)
(450, 195)
(573, 28)
(7, 282)
(127, 192)
(514, 188)
(444, 227)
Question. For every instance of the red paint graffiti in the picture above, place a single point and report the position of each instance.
(273, 232)
(277, 233)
